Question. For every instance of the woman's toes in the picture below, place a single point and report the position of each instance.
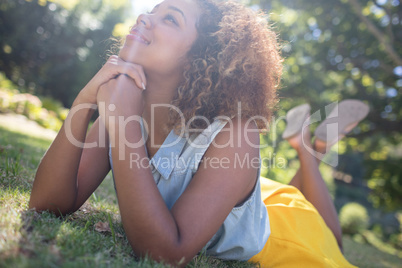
(320, 146)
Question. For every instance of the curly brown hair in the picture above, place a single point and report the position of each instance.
(235, 58)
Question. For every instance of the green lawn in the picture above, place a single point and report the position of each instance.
(93, 236)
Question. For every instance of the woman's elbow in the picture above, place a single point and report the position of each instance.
(41, 204)
(173, 256)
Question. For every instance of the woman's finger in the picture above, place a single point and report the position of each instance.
(134, 71)
(116, 66)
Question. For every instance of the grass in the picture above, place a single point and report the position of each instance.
(30, 239)
(93, 236)
(366, 256)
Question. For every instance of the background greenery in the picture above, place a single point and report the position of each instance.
(94, 236)
(334, 50)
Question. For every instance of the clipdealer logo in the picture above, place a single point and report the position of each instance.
(124, 144)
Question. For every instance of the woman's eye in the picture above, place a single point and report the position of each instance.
(171, 19)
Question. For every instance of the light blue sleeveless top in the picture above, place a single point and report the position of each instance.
(246, 229)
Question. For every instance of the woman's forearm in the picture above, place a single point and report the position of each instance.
(150, 226)
(55, 185)
(145, 216)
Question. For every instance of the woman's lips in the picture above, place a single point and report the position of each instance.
(137, 37)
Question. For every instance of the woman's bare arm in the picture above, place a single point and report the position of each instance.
(151, 228)
(68, 173)
(178, 234)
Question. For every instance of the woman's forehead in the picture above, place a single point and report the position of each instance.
(188, 6)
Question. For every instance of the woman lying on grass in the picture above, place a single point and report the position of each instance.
(180, 111)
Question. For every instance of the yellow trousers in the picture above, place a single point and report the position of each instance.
(299, 236)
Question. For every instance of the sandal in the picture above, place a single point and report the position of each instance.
(342, 119)
(295, 119)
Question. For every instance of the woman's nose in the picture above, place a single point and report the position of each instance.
(144, 21)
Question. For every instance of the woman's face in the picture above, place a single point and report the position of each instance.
(160, 40)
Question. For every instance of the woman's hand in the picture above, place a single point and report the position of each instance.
(118, 99)
(113, 68)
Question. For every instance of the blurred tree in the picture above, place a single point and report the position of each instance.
(51, 50)
(335, 49)
(342, 49)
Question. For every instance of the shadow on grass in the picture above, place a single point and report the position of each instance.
(34, 239)
(47, 240)
(44, 240)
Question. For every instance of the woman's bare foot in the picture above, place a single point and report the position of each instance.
(302, 140)
(297, 131)
(324, 147)
(321, 146)
(341, 120)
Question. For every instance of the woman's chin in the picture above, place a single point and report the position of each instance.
(122, 55)
(127, 55)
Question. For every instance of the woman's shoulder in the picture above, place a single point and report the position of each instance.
(226, 132)
(225, 138)
(238, 132)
